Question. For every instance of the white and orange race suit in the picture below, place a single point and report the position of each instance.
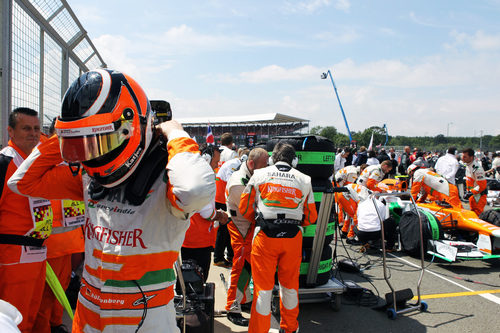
(347, 175)
(348, 203)
(371, 177)
(476, 183)
(282, 198)
(430, 183)
(241, 233)
(128, 278)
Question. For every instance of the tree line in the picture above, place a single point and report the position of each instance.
(429, 143)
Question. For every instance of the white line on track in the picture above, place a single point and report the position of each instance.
(489, 297)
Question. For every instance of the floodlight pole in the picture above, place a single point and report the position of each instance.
(386, 134)
(324, 76)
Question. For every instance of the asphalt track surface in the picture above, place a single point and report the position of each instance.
(454, 304)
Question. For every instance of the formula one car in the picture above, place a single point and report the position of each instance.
(450, 234)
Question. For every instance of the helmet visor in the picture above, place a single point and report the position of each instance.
(88, 147)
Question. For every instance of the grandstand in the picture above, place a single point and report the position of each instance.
(247, 130)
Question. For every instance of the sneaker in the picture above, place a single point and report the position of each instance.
(237, 319)
(343, 234)
(224, 263)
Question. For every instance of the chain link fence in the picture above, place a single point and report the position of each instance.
(43, 49)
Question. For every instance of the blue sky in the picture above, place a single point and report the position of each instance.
(420, 67)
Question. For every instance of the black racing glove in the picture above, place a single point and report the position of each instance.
(468, 194)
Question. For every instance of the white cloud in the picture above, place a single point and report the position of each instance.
(343, 5)
(404, 115)
(184, 39)
(312, 6)
(306, 6)
(484, 42)
(412, 98)
(364, 106)
(434, 71)
(479, 41)
(127, 52)
(271, 73)
(121, 53)
(88, 14)
(420, 21)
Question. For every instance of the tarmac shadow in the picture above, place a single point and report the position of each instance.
(459, 316)
(319, 317)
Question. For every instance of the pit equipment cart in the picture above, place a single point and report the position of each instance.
(396, 300)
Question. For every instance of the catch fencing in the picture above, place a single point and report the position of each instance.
(43, 49)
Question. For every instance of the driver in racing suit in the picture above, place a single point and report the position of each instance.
(137, 204)
(279, 199)
(475, 181)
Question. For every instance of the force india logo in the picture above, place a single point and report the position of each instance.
(105, 235)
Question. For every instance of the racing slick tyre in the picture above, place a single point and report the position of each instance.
(320, 186)
(324, 267)
(491, 216)
(493, 184)
(310, 230)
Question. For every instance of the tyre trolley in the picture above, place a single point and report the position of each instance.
(331, 291)
(396, 299)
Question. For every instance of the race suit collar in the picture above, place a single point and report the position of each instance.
(282, 163)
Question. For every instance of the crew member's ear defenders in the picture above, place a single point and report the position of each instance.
(295, 161)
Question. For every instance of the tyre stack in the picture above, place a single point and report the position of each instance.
(316, 156)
